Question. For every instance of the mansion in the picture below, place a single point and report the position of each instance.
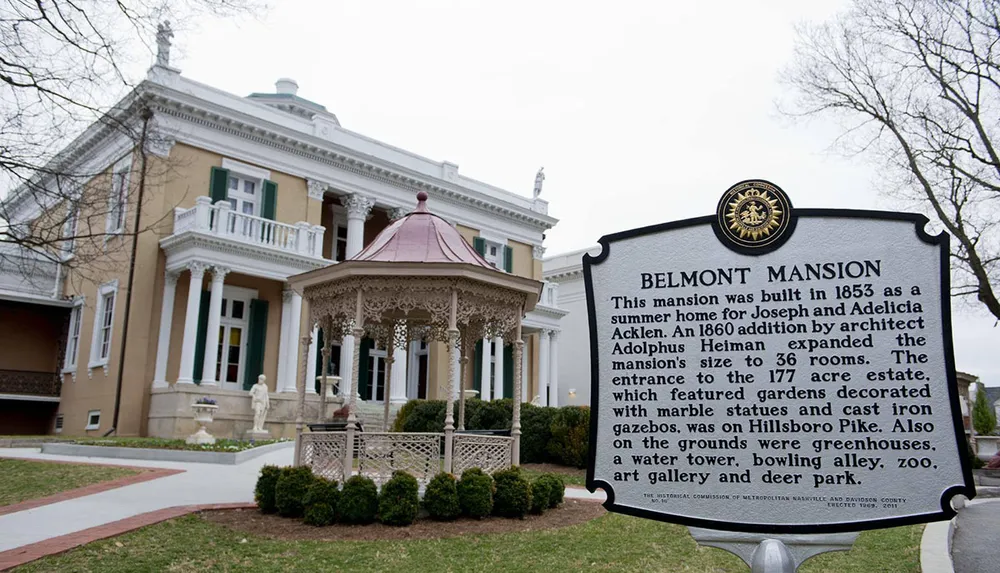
(238, 195)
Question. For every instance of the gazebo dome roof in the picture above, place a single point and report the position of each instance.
(421, 237)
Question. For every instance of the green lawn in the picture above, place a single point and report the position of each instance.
(164, 444)
(23, 480)
(570, 476)
(610, 543)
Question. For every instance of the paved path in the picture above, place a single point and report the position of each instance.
(199, 484)
(976, 545)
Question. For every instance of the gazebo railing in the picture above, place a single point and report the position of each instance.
(489, 453)
(324, 452)
(378, 454)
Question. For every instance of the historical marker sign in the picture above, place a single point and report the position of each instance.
(768, 369)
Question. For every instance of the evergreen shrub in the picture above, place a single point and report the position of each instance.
(263, 494)
(290, 490)
(513, 493)
(399, 501)
(441, 497)
(475, 493)
(358, 500)
(556, 487)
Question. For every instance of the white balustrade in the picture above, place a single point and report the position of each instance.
(221, 220)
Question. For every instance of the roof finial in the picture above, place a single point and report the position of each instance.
(539, 178)
(163, 35)
(421, 203)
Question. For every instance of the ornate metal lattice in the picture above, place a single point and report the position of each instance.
(324, 453)
(381, 453)
(489, 453)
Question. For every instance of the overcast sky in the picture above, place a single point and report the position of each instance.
(640, 112)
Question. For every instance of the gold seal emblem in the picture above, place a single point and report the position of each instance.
(753, 215)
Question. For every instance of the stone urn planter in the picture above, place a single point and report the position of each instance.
(204, 413)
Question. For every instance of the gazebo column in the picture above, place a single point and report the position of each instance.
(449, 413)
(465, 375)
(349, 399)
(311, 359)
(524, 373)
(390, 359)
(515, 423)
(303, 377)
(497, 368)
(325, 372)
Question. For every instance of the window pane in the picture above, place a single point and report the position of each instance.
(234, 183)
(248, 208)
(237, 309)
(235, 335)
(249, 187)
(232, 202)
(342, 232)
(232, 372)
(341, 251)
(224, 303)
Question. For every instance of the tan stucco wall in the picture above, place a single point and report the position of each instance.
(172, 182)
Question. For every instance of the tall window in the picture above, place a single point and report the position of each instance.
(119, 196)
(73, 342)
(494, 254)
(104, 319)
(340, 247)
(69, 229)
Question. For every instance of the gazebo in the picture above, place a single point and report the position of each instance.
(418, 280)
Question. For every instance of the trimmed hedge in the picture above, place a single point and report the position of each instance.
(570, 436)
(322, 492)
(359, 500)
(441, 497)
(399, 501)
(541, 490)
(263, 494)
(475, 493)
(291, 489)
(513, 493)
(536, 432)
(556, 487)
(319, 514)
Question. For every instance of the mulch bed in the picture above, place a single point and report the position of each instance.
(252, 522)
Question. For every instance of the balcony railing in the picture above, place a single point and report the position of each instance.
(220, 220)
(29, 383)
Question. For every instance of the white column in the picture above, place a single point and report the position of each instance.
(524, 371)
(166, 318)
(186, 374)
(543, 367)
(294, 327)
(286, 345)
(554, 369)
(311, 364)
(212, 332)
(358, 208)
(498, 372)
(485, 392)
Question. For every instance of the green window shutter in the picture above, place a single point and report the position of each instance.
(508, 371)
(477, 367)
(199, 344)
(479, 244)
(255, 343)
(508, 259)
(218, 185)
(364, 375)
(319, 357)
(270, 203)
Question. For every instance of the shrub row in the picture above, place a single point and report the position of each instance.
(548, 435)
(296, 492)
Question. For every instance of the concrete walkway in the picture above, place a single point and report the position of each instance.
(974, 546)
(199, 484)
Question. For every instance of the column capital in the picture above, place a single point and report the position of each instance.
(219, 273)
(286, 295)
(545, 332)
(538, 251)
(398, 213)
(171, 277)
(554, 334)
(316, 189)
(197, 269)
(358, 206)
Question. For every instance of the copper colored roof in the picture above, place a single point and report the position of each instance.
(421, 236)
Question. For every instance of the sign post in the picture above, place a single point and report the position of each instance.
(772, 371)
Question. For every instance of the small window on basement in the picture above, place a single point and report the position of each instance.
(93, 420)
(59, 423)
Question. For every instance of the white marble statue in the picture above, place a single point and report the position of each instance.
(259, 403)
(539, 178)
(163, 35)
(537, 401)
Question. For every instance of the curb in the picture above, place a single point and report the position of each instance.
(144, 475)
(28, 553)
(162, 455)
(935, 547)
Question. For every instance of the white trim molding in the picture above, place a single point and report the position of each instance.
(250, 171)
(96, 360)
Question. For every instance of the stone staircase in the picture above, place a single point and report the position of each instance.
(372, 415)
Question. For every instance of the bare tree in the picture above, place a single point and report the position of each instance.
(917, 84)
(65, 68)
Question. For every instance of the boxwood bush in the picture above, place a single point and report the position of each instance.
(513, 493)
(536, 432)
(441, 497)
(358, 500)
(541, 490)
(475, 493)
(399, 500)
(263, 494)
(321, 492)
(570, 436)
(556, 488)
(291, 489)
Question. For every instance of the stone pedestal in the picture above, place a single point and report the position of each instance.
(251, 434)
